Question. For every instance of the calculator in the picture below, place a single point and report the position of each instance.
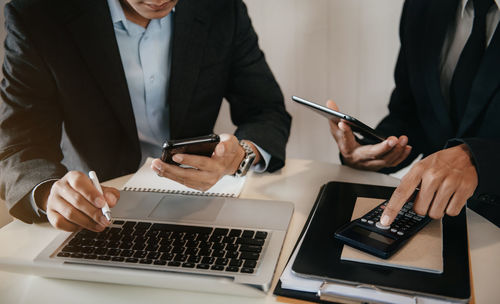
(368, 234)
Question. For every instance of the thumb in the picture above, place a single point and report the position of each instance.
(220, 149)
(111, 195)
(332, 105)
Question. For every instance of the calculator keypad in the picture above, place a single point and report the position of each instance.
(406, 221)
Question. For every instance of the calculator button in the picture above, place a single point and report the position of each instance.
(400, 233)
(417, 218)
(370, 222)
(363, 220)
(383, 227)
(394, 230)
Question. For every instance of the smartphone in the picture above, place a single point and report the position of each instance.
(203, 145)
(356, 125)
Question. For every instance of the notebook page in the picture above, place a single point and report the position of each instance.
(145, 179)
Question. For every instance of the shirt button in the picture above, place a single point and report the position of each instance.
(151, 79)
(145, 38)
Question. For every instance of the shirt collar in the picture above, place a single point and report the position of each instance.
(118, 16)
(468, 4)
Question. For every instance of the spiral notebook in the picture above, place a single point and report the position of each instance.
(146, 180)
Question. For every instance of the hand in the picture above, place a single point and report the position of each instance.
(205, 171)
(388, 153)
(446, 178)
(74, 203)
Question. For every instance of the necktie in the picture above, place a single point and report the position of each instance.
(469, 62)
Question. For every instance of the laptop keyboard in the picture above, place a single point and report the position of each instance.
(137, 243)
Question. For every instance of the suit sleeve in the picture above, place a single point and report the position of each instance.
(255, 98)
(401, 119)
(30, 121)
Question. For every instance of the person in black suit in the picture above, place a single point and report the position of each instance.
(72, 101)
(445, 106)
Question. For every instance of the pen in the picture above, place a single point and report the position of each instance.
(105, 210)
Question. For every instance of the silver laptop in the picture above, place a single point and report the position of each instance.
(213, 244)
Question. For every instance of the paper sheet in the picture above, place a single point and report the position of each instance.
(145, 179)
(423, 252)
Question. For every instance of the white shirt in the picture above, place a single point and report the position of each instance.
(457, 36)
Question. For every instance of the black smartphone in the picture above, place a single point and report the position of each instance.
(356, 125)
(203, 145)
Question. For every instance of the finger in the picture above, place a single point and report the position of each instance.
(402, 156)
(225, 137)
(376, 151)
(72, 215)
(429, 185)
(345, 139)
(82, 183)
(396, 152)
(390, 157)
(112, 195)
(349, 141)
(196, 161)
(58, 221)
(76, 200)
(401, 195)
(192, 178)
(459, 199)
(332, 105)
(442, 199)
(200, 180)
(220, 149)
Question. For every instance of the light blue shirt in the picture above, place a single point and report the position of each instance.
(146, 55)
(146, 58)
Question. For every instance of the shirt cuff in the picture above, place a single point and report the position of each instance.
(35, 195)
(264, 162)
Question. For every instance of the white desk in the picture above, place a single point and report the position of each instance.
(298, 182)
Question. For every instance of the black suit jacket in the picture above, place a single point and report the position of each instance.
(66, 104)
(418, 109)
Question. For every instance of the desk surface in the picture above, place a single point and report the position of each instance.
(298, 182)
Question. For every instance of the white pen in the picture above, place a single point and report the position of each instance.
(105, 210)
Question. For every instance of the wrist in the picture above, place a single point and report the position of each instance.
(41, 194)
(258, 157)
(248, 159)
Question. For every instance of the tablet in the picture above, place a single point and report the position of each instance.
(356, 125)
(319, 256)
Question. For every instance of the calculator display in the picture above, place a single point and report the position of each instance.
(373, 235)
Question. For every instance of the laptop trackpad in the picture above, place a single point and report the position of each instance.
(189, 208)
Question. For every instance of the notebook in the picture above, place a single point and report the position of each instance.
(146, 180)
(423, 252)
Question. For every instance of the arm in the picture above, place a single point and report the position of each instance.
(30, 133)
(255, 98)
(30, 129)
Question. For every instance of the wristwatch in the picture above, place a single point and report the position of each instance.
(247, 161)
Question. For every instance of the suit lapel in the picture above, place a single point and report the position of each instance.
(440, 15)
(485, 84)
(93, 33)
(190, 35)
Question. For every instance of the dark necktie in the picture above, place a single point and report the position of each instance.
(469, 62)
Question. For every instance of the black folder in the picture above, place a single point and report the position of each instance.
(319, 254)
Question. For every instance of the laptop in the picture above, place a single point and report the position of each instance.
(211, 244)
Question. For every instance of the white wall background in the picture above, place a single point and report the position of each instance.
(344, 50)
(319, 49)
